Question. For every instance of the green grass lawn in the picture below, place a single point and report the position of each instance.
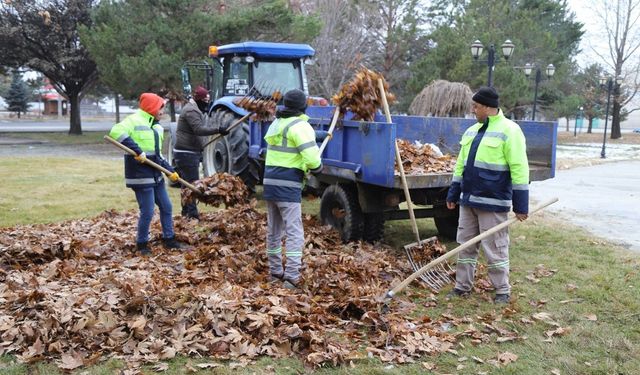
(593, 290)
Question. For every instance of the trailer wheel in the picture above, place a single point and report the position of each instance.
(373, 227)
(339, 208)
(447, 226)
(231, 153)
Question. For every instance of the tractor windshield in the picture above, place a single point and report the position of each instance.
(264, 77)
(270, 76)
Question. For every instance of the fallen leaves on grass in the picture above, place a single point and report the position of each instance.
(217, 189)
(419, 159)
(75, 293)
(540, 271)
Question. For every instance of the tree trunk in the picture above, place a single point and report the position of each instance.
(117, 103)
(74, 118)
(172, 109)
(615, 121)
(567, 119)
(590, 125)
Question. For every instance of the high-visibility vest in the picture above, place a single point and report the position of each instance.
(292, 151)
(138, 132)
(492, 170)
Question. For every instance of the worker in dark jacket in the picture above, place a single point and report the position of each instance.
(142, 133)
(292, 151)
(491, 175)
(193, 125)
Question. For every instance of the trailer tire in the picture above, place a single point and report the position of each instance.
(231, 153)
(339, 208)
(447, 226)
(373, 227)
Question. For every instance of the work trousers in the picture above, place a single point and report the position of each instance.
(188, 165)
(147, 197)
(285, 218)
(472, 222)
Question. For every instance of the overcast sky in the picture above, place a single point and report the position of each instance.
(585, 13)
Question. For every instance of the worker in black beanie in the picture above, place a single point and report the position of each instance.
(292, 152)
(491, 177)
(487, 96)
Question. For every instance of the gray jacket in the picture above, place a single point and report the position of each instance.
(193, 126)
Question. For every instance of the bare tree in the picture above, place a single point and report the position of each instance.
(43, 36)
(341, 47)
(622, 29)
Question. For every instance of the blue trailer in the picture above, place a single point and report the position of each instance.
(359, 188)
(359, 185)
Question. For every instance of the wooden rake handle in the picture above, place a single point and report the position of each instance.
(474, 240)
(233, 126)
(334, 121)
(403, 176)
(151, 163)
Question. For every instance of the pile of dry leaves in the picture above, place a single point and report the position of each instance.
(361, 95)
(418, 159)
(76, 293)
(217, 189)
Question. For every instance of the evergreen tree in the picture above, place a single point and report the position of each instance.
(17, 97)
(543, 31)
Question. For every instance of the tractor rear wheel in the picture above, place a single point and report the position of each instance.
(339, 208)
(231, 153)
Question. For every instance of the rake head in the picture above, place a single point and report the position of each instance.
(421, 253)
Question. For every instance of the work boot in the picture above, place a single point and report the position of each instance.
(172, 243)
(275, 278)
(143, 248)
(502, 298)
(458, 293)
(289, 284)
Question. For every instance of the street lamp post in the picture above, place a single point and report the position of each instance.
(610, 84)
(581, 118)
(476, 51)
(550, 70)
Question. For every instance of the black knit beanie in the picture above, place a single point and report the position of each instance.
(295, 99)
(487, 96)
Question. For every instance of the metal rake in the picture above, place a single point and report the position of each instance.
(437, 277)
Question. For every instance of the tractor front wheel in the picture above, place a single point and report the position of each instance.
(231, 153)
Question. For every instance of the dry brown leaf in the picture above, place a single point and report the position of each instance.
(506, 358)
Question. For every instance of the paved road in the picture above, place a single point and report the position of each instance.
(604, 199)
(12, 126)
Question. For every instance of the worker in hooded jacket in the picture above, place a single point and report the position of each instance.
(491, 176)
(142, 133)
(292, 152)
(193, 126)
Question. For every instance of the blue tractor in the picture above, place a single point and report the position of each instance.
(234, 71)
(359, 186)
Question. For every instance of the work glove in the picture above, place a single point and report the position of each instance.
(174, 177)
(141, 157)
(222, 129)
(321, 135)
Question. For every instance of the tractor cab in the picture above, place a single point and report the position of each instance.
(250, 69)
(256, 69)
